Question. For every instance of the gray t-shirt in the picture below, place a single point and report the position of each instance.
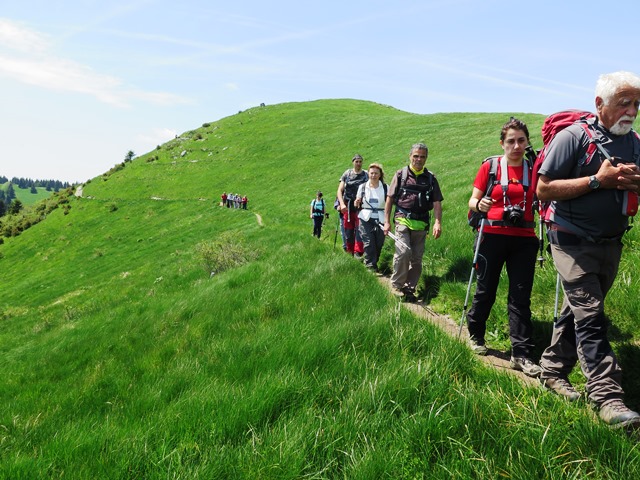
(598, 213)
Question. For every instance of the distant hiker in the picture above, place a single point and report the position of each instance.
(508, 238)
(229, 200)
(349, 182)
(224, 199)
(415, 192)
(370, 199)
(316, 213)
(244, 202)
(589, 218)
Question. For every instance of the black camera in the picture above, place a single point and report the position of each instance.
(513, 215)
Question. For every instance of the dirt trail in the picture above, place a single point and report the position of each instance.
(494, 358)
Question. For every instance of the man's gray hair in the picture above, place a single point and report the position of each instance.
(610, 83)
(419, 146)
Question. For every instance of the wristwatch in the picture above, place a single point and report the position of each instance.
(594, 183)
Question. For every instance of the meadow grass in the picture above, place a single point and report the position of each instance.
(123, 357)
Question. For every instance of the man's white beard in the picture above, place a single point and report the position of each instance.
(619, 129)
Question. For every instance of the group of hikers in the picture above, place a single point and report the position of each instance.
(584, 183)
(234, 200)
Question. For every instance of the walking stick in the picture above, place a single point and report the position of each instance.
(541, 242)
(555, 305)
(473, 268)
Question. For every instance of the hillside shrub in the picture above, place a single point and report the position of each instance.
(14, 224)
(224, 253)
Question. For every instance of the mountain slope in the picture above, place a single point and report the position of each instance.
(124, 358)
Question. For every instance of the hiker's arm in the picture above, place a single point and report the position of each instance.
(388, 205)
(437, 222)
(358, 201)
(341, 186)
(622, 177)
(478, 202)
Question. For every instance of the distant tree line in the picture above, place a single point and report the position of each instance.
(10, 205)
(24, 183)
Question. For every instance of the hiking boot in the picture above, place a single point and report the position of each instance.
(409, 296)
(526, 366)
(477, 348)
(396, 293)
(562, 387)
(617, 414)
(359, 257)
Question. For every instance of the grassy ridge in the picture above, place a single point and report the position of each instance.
(25, 195)
(122, 358)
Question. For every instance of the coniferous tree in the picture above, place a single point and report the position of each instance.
(10, 194)
(15, 207)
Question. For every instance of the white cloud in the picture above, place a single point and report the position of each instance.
(232, 86)
(20, 38)
(28, 57)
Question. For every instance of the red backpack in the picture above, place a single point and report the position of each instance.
(557, 122)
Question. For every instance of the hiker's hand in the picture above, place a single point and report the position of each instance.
(629, 177)
(622, 176)
(343, 208)
(358, 203)
(484, 205)
(437, 229)
(386, 227)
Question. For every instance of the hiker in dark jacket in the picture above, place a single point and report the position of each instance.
(349, 182)
(588, 199)
(509, 239)
(414, 191)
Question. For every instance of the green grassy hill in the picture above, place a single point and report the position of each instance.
(25, 195)
(123, 357)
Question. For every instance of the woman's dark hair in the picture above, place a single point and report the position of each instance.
(514, 124)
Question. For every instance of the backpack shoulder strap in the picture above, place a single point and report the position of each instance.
(405, 174)
(493, 174)
(636, 148)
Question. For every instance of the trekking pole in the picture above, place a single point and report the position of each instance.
(335, 238)
(541, 243)
(555, 306)
(473, 268)
(397, 240)
(392, 236)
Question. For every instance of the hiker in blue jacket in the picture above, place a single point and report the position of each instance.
(509, 238)
(588, 222)
(317, 213)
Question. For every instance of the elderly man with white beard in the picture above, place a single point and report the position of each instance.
(592, 199)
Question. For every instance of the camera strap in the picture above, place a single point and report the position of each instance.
(504, 179)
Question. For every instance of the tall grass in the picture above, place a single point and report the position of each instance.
(122, 357)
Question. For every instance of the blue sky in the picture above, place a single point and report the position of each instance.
(83, 82)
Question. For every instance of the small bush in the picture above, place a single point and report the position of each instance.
(224, 253)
